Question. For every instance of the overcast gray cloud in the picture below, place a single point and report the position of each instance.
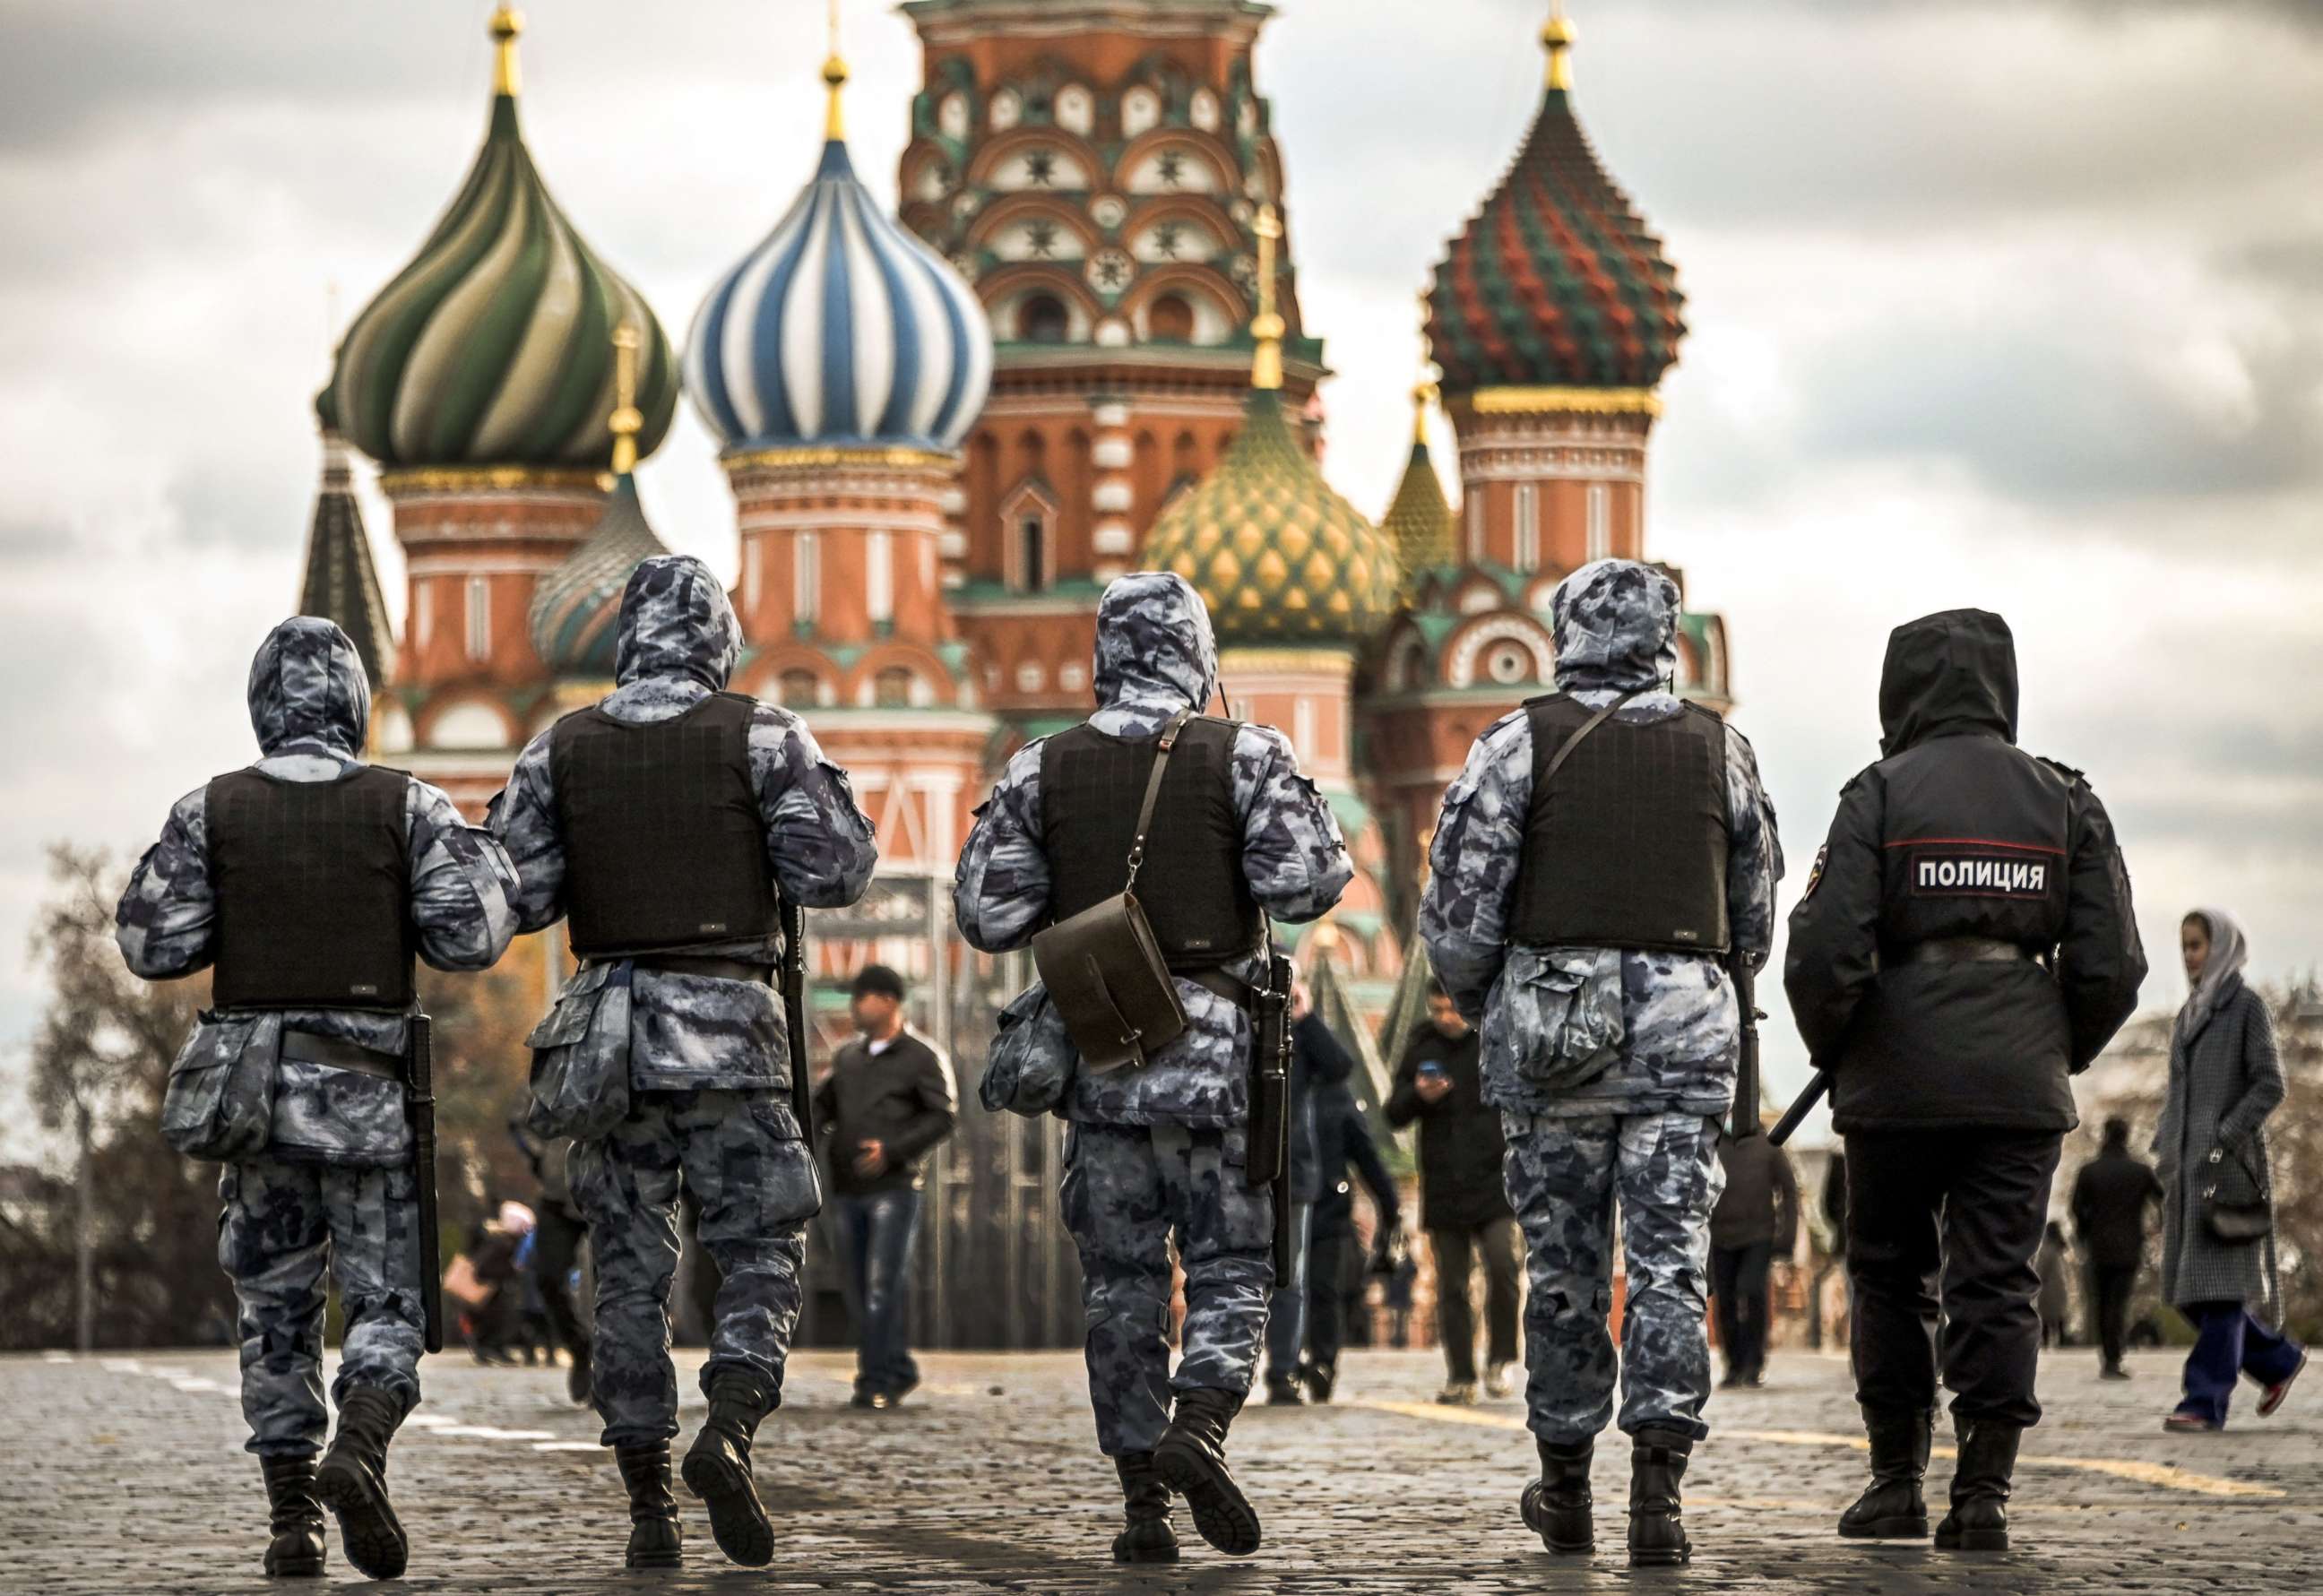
(2018, 304)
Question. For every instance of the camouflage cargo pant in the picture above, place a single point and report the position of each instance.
(1127, 1189)
(1563, 1176)
(284, 1225)
(741, 1155)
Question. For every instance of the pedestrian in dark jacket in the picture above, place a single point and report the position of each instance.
(1965, 946)
(2225, 1079)
(2109, 1198)
(1318, 1062)
(1755, 1222)
(887, 1101)
(1463, 1205)
(1344, 1143)
(2054, 1262)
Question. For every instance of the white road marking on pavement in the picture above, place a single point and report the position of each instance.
(123, 1366)
(2168, 1476)
(430, 1421)
(484, 1432)
(198, 1385)
(56, 1357)
(566, 1446)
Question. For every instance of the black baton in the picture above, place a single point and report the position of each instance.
(794, 1014)
(1801, 1107)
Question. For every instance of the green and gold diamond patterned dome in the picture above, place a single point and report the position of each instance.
(1280, 559)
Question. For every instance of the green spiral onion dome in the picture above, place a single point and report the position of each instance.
(1556, 283)
(491, 347)
(1280, 558)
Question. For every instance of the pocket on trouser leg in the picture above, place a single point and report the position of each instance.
(580, 1084)
(219, 1100)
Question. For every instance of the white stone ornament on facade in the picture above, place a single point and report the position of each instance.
(1111, 270)
(1005, 111)
(1109, 211)
(1204, 110)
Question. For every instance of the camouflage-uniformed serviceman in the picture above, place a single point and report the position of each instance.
(1161, 1149)
(667, 824)
(306, 882)
(1586, 934)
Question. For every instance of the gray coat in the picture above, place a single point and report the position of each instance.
(2225, 1079)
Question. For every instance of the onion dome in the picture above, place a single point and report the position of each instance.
(841, 329)
(576, 609)
(491, 347)
(1419, 521)
(1556, 283)
(1279, 557)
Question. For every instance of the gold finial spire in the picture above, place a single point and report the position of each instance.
(1557, 34)
(627, 421)
(834, 78)
(508, 22)
(1424, 392)
(1266, 326)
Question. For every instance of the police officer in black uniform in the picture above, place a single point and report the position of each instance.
(1965, 945)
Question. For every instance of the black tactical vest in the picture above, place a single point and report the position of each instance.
(665, 847)
(1191, 885)
(1626, 847)
(313, 884)
(1975, 838)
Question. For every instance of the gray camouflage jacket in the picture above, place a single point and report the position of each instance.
(678, 644)
(309, 704)
(1156, 656)
(1669, 1020)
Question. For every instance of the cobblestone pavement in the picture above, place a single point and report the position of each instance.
(127, 1474)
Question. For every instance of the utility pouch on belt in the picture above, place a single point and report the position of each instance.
(1104, 967)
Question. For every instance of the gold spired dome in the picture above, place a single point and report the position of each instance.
(1280, 558)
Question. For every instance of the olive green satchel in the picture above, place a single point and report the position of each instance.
(1104, 969)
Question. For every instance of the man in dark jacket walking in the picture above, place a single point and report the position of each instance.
(2109, 1198)
(1343, 1139)
(1463, 1205)
(1756, 1222)
(1319, 1062)
(886, 1103)
(1966, 945)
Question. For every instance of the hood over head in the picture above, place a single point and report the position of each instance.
(1949, 674)
(1154, 643)
(307, 687)
(1615, 622)
(677, 621)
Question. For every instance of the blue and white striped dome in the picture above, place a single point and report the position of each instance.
(841, 328)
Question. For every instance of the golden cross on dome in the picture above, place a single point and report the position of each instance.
(627, 421)
(1557, 34)
(508, 22)
(1424, 393)
(834, 76)
(1266, 326)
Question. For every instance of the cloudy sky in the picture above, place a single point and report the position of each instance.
(2016, 304)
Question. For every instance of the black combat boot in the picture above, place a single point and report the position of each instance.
(1892, 1507)
(1147, 1537)
(718, 1468)
(1192, 1461)
(1282, 1391)
(352, 1482)
(295, 1517)
(1320, 1378)
(577, 1384)
(1657, 1532)
(1557, 1505)
(656, 1539)
(1978, 1521)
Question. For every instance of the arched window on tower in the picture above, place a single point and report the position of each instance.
(1528, 527)
(802, 690)
(1028, 535)
(479, 618)
(1600, 521)
(1171, 320)
(892, 688)
(1032, 552)
(806, 578)
(1041, 319)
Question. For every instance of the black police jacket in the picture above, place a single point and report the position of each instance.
(1959, 838)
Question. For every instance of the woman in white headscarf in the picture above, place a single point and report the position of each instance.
(2225, 1079)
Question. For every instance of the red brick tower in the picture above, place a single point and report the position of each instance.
(1095, 169)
